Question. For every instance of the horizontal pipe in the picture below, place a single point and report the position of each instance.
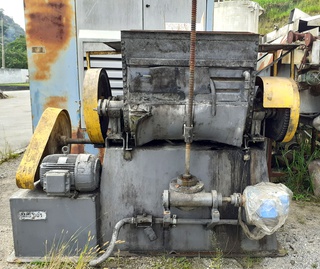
(199, 221)
(77, 141)
(226, 199)
(179, 199)
(119, 224)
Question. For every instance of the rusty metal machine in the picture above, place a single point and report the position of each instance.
(300, 62)
(184, 167)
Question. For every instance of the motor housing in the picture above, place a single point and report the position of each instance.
(62, 173)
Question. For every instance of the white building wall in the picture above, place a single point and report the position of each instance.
(236, 16)
(9, 75)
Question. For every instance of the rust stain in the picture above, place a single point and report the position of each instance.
(77, 148)
(261, 66)
(101, 154)
(48, 25)
(56, 101)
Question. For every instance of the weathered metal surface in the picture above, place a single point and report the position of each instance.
(66, 227)
(49, 26)
(45, 140)
(277, 92)
(137, 14)
(56, 101)
(294, 113)
(155, 70)
(137, 188)
(52, 58)
(172, 15)
(276, 47)
(282, 93)
(78, 133)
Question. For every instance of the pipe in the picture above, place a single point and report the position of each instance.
(179, 199)
(247, 80)
(274, 62)
(292, 66)
(114, 238)
(200, 221)
(65, 140)
(188, 140)
(124, 221)
(88, 60)
(275, 66)
(78, 141)
(187, 161)
(2, 41)
(210, 15)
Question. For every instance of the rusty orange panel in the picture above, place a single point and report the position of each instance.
(52, 57)
(56, 101)
(49, 28)
(77, 148)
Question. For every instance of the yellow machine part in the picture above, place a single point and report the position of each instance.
(46, 139)
(294, 116)
(279, 92)
(95, 86)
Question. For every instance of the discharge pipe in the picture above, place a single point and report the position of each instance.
(114, 238)
(118, 226)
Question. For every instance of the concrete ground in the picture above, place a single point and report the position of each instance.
(15, 121)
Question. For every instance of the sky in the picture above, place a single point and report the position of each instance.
(14, 9)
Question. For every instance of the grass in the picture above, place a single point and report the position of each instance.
(15, 84)
(297, 176)
(277, 12)
(172, 263)
(60, 256)
(7, 153)
(250, 262)
(217, 261)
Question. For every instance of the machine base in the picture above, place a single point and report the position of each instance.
(134, 187)
(42, 225)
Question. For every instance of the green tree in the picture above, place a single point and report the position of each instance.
(16, 54)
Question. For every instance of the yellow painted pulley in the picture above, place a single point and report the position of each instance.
(96, 87)
(282, 95)
(54, 124)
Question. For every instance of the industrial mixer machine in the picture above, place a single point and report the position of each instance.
(184, 171)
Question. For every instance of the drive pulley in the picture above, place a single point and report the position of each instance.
(47, 139)
(96, 86)
(281, 101)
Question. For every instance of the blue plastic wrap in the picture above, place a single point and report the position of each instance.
(267, 205)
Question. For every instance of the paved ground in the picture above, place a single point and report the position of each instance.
(15, 121)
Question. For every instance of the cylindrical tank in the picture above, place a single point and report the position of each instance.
(236, 16)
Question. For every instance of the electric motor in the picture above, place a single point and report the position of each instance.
(62, 173)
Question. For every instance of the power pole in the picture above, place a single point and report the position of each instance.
(2, 41)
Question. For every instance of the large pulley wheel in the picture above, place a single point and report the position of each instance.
(281, 95)
(96, 86)
(277, 126)
(47, 139)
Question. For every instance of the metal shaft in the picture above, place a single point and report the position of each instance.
(187, 168)
(2, 40)
(191, 81)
